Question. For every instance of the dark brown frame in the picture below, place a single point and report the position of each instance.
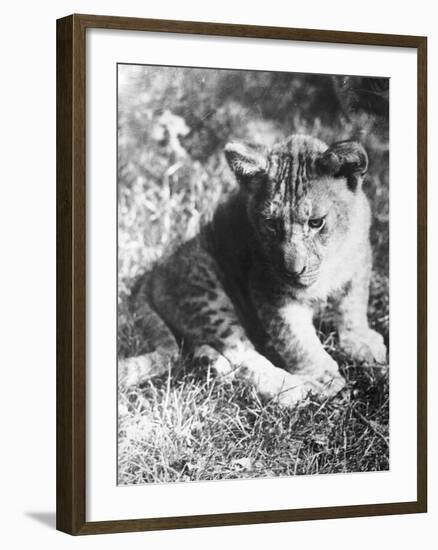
(71, 266)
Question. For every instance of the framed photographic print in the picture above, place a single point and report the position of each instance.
(241, 274)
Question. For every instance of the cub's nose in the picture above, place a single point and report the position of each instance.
(299, 271)
(295, 259)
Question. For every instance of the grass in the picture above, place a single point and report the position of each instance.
(189, 426)
(193, 427)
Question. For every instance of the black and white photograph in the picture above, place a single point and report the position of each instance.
(219, 275)
(253, 274)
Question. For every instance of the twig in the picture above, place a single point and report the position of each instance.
(371, 425)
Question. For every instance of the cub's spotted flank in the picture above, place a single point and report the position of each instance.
(242, 294)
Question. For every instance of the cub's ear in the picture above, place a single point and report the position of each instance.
(346, 159)
(246, 161)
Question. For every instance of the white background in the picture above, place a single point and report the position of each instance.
(28, 264)
(106, 501)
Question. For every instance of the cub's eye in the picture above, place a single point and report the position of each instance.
(316, 223)
(275, 228)
(271, 225)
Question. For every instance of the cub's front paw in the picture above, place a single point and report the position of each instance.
(322, 382)
(285, 388)
(364, 346)
(326, 380)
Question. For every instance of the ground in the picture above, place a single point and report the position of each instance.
(173, 125)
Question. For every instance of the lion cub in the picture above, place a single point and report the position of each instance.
(242, 294)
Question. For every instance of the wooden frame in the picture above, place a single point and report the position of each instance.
(71, 266)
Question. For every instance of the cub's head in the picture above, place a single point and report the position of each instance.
(300, 198)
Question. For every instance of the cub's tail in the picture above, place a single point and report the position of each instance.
(160, 342)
